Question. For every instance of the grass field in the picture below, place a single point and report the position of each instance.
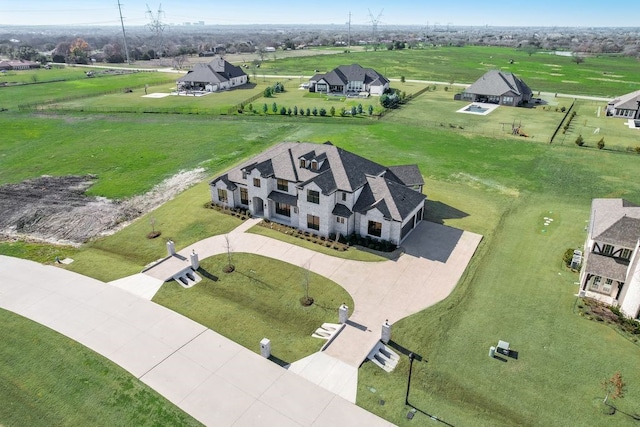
(129, 153)
(515, 288)
(12, 96)
(47, 379)
(267, 292)
(616, 134)
(437, 109)
(603, 76)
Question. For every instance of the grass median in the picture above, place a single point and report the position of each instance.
(259, 299)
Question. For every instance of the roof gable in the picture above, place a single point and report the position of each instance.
(624, 232)
(497, 83)
(607, 212)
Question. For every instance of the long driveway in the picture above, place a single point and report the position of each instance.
(435, 258)
(217, 381)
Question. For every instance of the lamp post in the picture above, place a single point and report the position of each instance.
(411, 357)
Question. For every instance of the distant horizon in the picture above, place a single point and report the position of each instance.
(463, 13)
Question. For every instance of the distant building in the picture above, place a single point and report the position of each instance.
(18, 64)
(626, 106)
(212, 77)
(498, 87)
(350, 80)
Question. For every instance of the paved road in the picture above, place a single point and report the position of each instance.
(217, 381)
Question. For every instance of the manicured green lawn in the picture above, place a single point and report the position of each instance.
(437, 109)
(616, 134)
(261, 298)
(47, 379)
(129, 153)
(12, 96)
(39, 252)
(183, 220)
(604, 76)
(499, 187)
(41, 75)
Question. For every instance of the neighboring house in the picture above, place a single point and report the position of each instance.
(212, 77)
(627, 106)
(18, 64)
(326, 190)
(350, 80)
(611, 269)
(497, 87)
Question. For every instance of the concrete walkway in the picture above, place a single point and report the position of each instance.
(435, 258)
(217, 381)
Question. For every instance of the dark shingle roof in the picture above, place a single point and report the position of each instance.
(627, 102)
(341, 210)
(607, 212)
(497, 83)
(605, 266)
(394, 200)
(225, 178)
(624, 232)
(406, 174)
(352, 73)
(285, 198)
(217, 71)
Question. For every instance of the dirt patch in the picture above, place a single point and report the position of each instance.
(57, 210)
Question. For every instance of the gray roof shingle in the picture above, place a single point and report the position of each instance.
(217, 71)
(498, 83)
(605, 266)
(627, 102)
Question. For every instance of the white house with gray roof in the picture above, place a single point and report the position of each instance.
(626, 106)
(323, 189)
(350, 80)
(498, 87)
(212, 77)
(611, 268)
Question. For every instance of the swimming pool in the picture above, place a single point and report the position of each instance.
(473, 108)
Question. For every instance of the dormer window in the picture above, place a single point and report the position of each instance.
(314, 165)
(303, 163)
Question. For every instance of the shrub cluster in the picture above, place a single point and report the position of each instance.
(237, 212)
(369, 242)
(565, 128)
(330, 242)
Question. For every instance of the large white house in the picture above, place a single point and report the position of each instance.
(350, 80)
(611, 269)
(326, 190)
(212, 77)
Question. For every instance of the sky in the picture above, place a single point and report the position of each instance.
(538, 13)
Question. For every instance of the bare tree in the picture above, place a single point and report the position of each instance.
(306, 300)
(227, 244)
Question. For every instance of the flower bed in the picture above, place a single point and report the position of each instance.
(237, 212)
(303, 235)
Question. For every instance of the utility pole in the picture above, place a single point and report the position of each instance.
(124, 35)
(349, 36)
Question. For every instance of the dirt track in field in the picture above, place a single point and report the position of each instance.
(57, 210)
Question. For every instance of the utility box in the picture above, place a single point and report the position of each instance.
(343, 313)
(386, 332)
(265, 348)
